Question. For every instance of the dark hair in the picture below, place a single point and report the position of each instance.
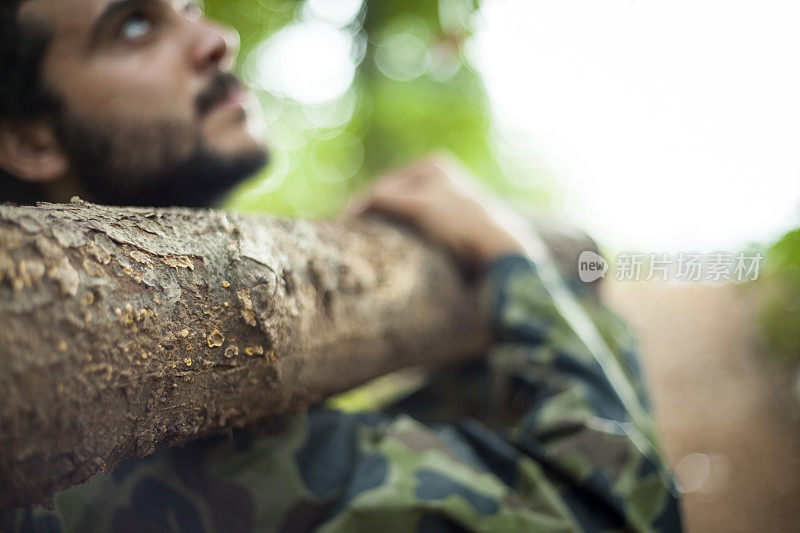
(23, 95)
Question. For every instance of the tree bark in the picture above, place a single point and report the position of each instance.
(124, 329)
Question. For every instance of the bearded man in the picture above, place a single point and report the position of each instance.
(131, 102)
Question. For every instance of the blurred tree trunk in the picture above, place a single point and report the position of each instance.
(123, 329)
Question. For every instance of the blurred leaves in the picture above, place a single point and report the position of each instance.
(780, 316)
(412, 92)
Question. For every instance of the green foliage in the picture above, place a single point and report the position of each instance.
(254, 20)
(413, 92)
(780, 316)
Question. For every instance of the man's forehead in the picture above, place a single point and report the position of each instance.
(74, 23)
(56, 13)
(75, 19)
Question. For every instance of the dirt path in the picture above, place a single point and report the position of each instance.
(728, 421)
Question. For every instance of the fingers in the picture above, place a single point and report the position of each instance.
(438, 196)
(396, 191)
(407, 207)
(405, 192)
(396, 198)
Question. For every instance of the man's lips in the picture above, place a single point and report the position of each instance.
(225, 91)
(234, 98)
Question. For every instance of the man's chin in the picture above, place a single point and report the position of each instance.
(201, 181)
(205, 181)
(234, 128)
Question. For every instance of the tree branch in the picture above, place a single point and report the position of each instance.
(124, 329)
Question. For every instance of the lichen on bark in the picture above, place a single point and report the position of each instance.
(123, 329)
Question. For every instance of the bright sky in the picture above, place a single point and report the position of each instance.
(672, 124)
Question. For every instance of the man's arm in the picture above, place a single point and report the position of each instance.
(583, 419)
(565, 365)
(566, 448)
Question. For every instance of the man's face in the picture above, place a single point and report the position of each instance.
(149, 114)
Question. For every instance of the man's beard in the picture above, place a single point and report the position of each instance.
(160, 164)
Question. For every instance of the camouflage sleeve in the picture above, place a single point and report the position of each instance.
(564, 449)
(567, 367)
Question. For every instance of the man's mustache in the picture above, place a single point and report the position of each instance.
(218, 89)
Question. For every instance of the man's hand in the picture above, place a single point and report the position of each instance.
(439, 197)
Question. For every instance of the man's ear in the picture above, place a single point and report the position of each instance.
(31, 152)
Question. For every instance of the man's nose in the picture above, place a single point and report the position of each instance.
(215, 47)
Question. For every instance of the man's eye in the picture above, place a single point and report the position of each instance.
(135, 27)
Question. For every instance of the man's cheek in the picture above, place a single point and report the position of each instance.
(131, 94)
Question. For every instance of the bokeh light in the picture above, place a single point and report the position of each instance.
(310, 62)
(670, 125)
(656, 126)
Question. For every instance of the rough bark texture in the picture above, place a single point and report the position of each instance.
(124, 329)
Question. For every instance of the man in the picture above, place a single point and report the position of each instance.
(130, 102)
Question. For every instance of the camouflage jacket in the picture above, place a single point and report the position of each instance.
(550, 432)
